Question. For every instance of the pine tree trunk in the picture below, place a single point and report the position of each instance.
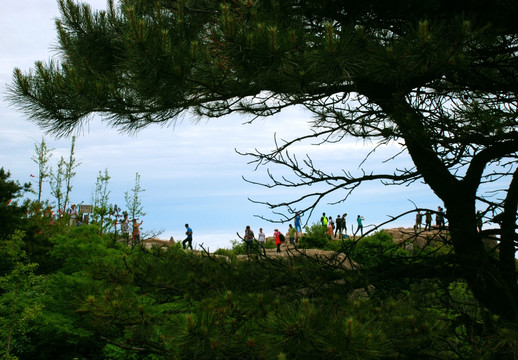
(482, 270)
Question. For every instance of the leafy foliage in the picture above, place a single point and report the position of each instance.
(239, 247)
(315, 236)
(375, 250)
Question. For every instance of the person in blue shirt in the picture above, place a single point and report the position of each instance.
(298, 227)
(359, 220)
(188, 239)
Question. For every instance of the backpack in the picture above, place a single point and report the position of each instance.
(282, 238)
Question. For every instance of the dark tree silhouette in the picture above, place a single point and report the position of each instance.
(11, 213)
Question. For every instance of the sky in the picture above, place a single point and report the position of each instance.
(190, 171)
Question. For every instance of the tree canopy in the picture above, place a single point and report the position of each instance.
(438, 77)
(11, 213)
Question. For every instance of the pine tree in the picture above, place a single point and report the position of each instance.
(41, 158)
(100, 200)
(69, 172)
(133, 199)
(435, 77)
(56, 185)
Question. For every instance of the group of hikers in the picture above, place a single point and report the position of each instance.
(336, 228)
(135, 229)
(279, 237)
(76, 218)
(129, 229)
(439, 219)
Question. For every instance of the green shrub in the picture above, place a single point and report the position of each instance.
(336, 245)
(239, 247)
(316, 236)
(270, 244)
(225, 252)
(374, 250)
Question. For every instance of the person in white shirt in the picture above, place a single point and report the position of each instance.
(73, 215)
(261, 237)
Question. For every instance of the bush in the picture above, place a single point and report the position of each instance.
(239, 247)
(374, 250)
(316, 236)
(336, 245)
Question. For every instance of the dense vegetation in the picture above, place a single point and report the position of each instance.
(68, 293)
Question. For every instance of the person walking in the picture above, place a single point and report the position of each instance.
(249, 239)
(428, 220)
(439, 218)
(188, 239)
(339, 226)
(298, 227)
(261, 238)
(359, 220)
(291, 234)
(278, 241)
(418, 220)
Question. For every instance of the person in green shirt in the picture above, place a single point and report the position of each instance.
(291, 233)
(323, 219)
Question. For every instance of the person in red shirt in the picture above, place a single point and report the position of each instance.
(278, 241)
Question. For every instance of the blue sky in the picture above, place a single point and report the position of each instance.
(191, 172)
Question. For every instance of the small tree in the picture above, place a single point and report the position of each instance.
(63, 176)
(100, 199)
(133, 201)
(56, 184)
(41, 158)
(69, 172)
